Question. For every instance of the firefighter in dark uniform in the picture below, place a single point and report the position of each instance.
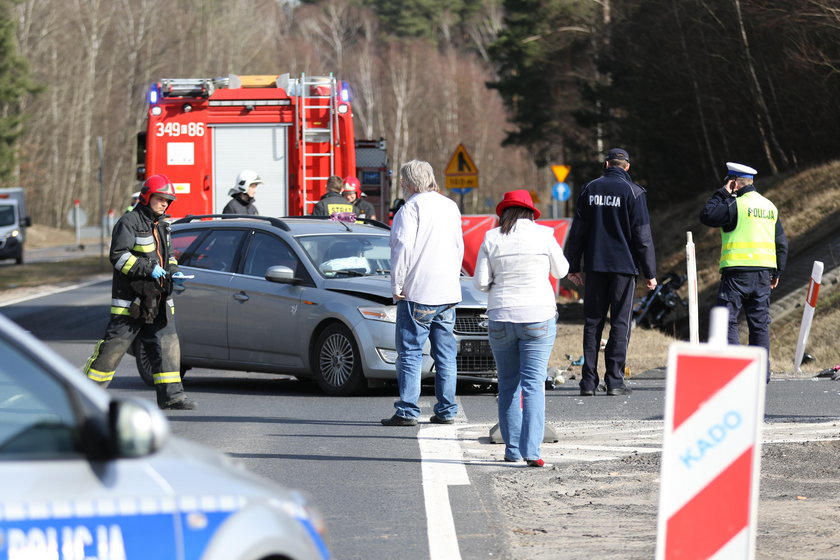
(141, 292)
(753, 252)
(611, 233)
(332, 202)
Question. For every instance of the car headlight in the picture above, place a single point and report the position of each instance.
(14, 233)
(386, 313)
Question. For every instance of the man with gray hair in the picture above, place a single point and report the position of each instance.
(427, 248)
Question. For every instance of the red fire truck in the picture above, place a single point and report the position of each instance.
(294, 132)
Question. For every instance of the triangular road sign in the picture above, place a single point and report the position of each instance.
(561, 172)
(460, 163)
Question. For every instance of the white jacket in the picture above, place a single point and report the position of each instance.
(514, 270)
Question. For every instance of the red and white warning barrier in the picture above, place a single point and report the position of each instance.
(711, 448)
(808, 313)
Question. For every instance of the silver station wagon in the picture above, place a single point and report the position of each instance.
(309, 297)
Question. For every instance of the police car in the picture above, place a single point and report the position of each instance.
(90, 477)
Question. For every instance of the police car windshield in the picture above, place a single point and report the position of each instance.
(348, 254)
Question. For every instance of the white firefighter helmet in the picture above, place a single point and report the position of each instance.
(246, 178)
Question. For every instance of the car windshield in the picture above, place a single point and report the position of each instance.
(348, 254)
(7, 214)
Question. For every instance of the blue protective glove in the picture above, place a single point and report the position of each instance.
(158, 271)
(179, 278)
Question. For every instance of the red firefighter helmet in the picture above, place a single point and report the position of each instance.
(159, 185)
(352, 184)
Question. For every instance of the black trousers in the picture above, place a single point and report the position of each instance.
(748, 290)
(606, 292)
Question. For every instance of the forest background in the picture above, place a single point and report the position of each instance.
(684, 85)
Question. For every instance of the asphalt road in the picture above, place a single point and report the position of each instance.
(413, 493)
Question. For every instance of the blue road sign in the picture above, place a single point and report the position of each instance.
(459, 190)
(561, 191)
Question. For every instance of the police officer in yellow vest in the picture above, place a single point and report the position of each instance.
(753, 252)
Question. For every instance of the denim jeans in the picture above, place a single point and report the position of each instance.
(521, 351)
(417, 323)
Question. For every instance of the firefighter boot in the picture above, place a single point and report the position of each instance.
(171, 396)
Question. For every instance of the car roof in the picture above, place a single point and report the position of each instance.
(295, 225)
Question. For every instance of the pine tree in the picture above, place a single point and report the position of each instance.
(15, 84)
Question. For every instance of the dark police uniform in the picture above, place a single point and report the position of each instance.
(611, 232)
(753, 253)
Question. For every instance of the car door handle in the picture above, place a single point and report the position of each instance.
(241, 296)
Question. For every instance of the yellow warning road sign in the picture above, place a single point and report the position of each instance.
(461, 172)
(561, 172)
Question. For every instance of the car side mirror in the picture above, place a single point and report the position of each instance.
(137, 427)
(281, 275)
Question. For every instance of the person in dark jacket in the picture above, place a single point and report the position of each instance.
(753, 252)
(141, 250)
(242, 194)
(332, 202)
(611, 234)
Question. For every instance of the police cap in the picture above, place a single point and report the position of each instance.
(739, 170)
(618, 153)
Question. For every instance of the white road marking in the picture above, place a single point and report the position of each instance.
(442, 462)
(43, 291)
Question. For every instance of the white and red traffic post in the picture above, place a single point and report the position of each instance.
(808, 313)
(691, 274)
(711, 449)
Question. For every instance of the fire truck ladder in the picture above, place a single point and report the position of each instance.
(317, 94)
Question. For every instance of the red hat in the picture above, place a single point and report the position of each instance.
(519, 197)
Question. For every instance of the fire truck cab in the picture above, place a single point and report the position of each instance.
(294, 132)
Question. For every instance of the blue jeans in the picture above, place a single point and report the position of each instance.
(417, 323)
(521, 351)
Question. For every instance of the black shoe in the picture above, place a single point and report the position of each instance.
(585, 393)
(438, 420)
(399, 421)
(179, 403)
(617, 391)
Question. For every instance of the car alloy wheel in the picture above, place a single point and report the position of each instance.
(337, 364)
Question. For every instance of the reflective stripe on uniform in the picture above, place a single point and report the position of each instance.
(100, 376)
(171, 303)
(167, 377)
(120, 307)
(125, 265)
(144, 244)
(93, 356)
(173, 260)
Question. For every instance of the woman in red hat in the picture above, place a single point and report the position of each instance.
(513, 266)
